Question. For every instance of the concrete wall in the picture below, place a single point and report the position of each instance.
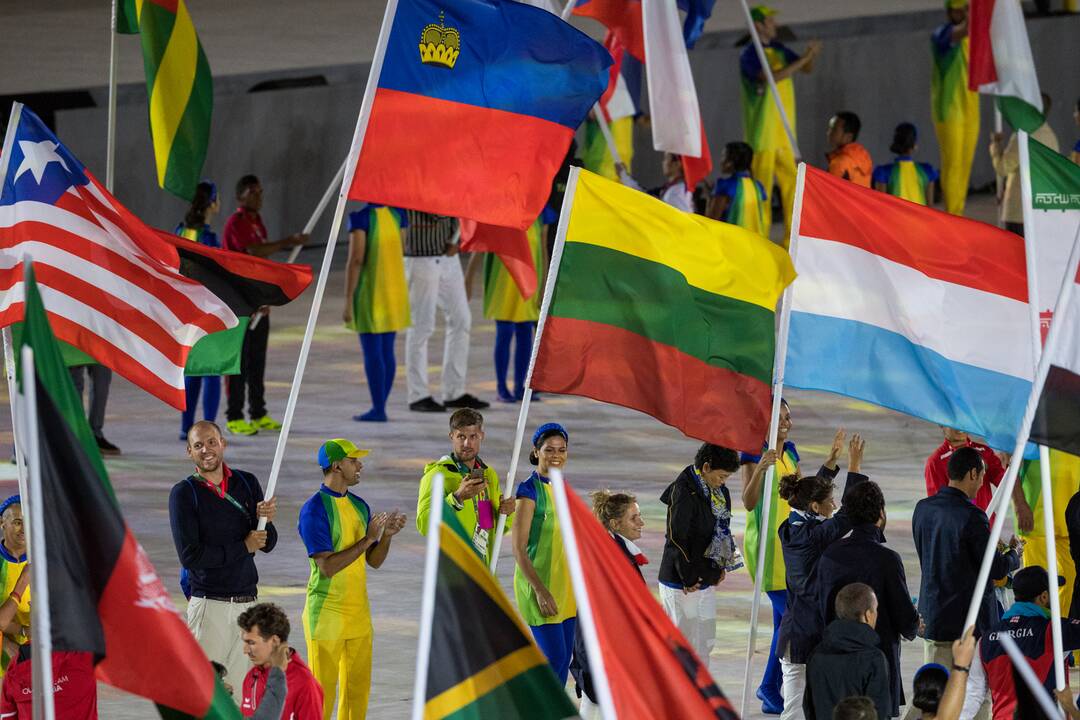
(295, 139)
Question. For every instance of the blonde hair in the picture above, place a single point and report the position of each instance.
(609, 506)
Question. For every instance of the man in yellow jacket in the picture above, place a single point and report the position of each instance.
(1064, 483)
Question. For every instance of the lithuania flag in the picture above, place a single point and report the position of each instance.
(664, 312)
(179, 86)
(107, 597)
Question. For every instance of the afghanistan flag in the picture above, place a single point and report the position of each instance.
(664, 312)
(109, 600)
(483, 660)
(179, 87)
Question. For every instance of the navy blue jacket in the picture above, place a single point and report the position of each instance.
(950, 534)
(846, 663)
(209, 533)
(690, 529)
(862, 557)
(803, 541)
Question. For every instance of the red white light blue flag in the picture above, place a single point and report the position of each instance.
(475, 105)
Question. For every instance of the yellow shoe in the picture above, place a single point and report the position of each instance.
(241, 427)
(266, 423)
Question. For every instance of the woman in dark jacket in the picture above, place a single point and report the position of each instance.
(698, 547)
(806, 533)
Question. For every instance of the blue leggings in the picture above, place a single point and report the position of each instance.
(556, 641)
(211, 399)
(522, 333)
(380, 366)
(772, 679)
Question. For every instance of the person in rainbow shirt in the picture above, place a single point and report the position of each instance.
(774, 159)
(905, 178)
(377, 296)
(739, 199)
(14, 579)
(1065, 483)
(342, 538)
(954, 108)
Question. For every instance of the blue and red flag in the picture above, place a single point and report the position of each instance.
(475, 106)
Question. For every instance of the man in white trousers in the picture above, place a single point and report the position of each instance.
(436, 281)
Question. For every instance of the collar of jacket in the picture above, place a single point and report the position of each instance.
(1026, 609)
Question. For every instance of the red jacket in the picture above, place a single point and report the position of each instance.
(303, 700)
(937, 472)
(73, 679)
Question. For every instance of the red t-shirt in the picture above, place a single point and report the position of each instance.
(73, 677)
(303, 700)
(937, 472)
(242, 230)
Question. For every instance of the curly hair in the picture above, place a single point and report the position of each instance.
(799, 492)
(269, 618)
(609, 506)
(864, 503)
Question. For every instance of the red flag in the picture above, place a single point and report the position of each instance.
(651, 669)
(510, 244)
(696, 169)
(981, 67)
(622, 17)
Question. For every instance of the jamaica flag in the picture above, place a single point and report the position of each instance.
(107, 597)
(484, 663)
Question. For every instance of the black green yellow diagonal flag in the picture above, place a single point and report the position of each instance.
(178, 85)
(483, 661)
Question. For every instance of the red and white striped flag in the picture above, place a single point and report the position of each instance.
(111, 287)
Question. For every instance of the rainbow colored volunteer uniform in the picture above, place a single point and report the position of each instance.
(1065, 482)
(595, 155)
(774, 578)
(336, 617)
(907, 179)
(381, 299)
(774, 159)
(10, 568)
(545, 550)
(747, 201)
(955, 111)
(502, 298)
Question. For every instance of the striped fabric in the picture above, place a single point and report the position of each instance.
(179, 86)
(545, 550)
(428, 234)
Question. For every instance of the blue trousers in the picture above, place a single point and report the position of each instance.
(773, 679)
(380, 366)
(522, 334)
(211, 399)
(556, 641)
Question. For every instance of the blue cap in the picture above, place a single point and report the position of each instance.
(932, 666)
(547, 428)
(13, 500)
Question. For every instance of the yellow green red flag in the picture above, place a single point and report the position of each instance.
(178, 85)
(665, 312)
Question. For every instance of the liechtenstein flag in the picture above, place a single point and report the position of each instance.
(475, 103)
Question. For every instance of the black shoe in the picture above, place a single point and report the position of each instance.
(106, 447)
(467, 401)
(427, 404)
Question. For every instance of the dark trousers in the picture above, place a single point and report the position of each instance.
(250, 379)
(100, 379)
(1017, 228)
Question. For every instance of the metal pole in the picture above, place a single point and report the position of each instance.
(427, 600)
(110, 136)
(767, 69)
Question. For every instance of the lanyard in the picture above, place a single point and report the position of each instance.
(222, 492)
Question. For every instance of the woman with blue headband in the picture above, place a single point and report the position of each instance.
(542, 586)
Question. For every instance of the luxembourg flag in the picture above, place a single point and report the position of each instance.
(909, 308)
(1000, 61)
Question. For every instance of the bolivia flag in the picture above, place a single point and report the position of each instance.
(179, 86)
(662, 311)
(475, 103)
(1000, 61)
(107, 598)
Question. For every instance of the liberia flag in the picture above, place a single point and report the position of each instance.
(104, 596)
(111, 286)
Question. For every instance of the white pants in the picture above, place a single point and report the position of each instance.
(794, 688)
(436, 282)
(695, 615)
(213, 623)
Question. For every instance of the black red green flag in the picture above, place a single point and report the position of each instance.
(108, 599)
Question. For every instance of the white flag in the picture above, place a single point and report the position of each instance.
(673, 104)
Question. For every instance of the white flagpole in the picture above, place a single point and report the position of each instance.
(581, 596)
(1046, 491)
(1061, 307)
(328, 254)
(774, 427)
(1023, 666)
(40, 622)
(605, 130)
(998, 180)
(767, 69)
(568, 9)
(427, 599)
(110, 133)
(545, 307)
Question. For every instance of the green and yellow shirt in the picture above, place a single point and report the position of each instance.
(545, 550)
(787, 464)
(381, 299)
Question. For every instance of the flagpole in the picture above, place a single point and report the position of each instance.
(40, 622)
(605, 130)
(581, 597)
(328, 254)
(774, 427)
(767, 69)
(998, 180)
(1035, 308)
(110, 133)
(545, 308)
(568, 10)
(1023, 667)
(427, 599)
(1053, 339)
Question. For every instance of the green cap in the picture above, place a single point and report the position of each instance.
(338, 449)
(760, 12)
(955, 4)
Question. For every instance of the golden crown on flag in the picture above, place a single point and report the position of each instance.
(440, 45)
